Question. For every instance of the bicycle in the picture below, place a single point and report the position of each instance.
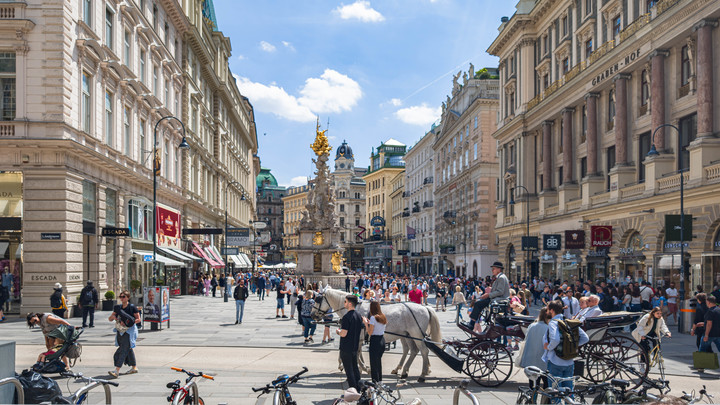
(81, 395)
(183, 395)
(280, 386)
(692, 399)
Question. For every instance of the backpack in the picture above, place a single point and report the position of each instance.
(55, 301)
(569, 330)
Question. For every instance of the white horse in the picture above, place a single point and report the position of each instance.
(407, 321)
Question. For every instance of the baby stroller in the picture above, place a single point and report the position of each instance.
(70, 348)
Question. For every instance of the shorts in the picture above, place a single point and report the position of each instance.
(281, 303)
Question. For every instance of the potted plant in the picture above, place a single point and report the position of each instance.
(135, 285)
(109, 301)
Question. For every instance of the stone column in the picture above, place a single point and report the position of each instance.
(567, 136)
(592, 134)
(657, 96)
(621, 122)
(704, 75)
(547, 155)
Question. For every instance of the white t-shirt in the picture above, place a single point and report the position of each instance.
(379, 329)
(672, 294)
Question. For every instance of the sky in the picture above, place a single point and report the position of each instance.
(369, 70)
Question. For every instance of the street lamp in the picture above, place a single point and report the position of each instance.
(653, 152)
(156, 171)
(527, 220)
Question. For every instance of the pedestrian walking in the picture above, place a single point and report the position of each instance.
(88, 303)
(126, 317)
(375, 327)
(350, 327)
(58, 302)
(240, 294)
(458, 300)
(305, 312)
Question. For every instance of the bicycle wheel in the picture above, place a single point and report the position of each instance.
(489, 364)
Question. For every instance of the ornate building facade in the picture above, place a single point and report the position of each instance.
(80, 111)
(466, 175)
(588, 88)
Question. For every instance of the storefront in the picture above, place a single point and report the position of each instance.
(711, 264)
(11, 258)
(632, 259)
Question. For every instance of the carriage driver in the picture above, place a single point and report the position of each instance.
(500, 291)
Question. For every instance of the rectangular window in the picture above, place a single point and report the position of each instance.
(87, 12)
(109, 118)
(109, 28)
(142, 66)
(588, 48)
(688, 133)
(142, 141)
(86, 102)
(643, 149)
(127, 48)
(684, 66)
(127, 131)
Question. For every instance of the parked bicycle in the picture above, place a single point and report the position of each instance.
(281, 387)
(188, 393)
(81, 395)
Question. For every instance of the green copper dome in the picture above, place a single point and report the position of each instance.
(265, 178)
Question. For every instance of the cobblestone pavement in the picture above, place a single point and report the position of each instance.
(203, 336)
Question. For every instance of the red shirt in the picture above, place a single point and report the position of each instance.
(416, 296)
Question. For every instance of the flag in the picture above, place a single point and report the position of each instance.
(410, 232)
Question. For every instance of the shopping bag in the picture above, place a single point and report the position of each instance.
(705, 360)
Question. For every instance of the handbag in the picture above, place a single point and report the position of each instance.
(705, 360)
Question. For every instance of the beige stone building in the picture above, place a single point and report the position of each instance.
(294, 202)
(419, 205)
(466, 175)
(587, 87)
(384, 166)
(85, 84)
(397, 223)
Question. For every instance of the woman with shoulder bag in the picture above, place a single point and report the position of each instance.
(126, 316)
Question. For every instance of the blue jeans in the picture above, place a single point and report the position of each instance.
(563, 372)
(239, 309)
(707, 346)
(309, 326)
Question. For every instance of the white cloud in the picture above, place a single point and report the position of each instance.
(359, 10)
(288, 45)
(267, 46)
(396, 102)
(332, 92)
(421, 115)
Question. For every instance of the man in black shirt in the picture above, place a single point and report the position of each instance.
(350, 327)
(712, 326)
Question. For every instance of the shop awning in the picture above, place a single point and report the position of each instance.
(179, 255)
(213, 252)
(669, 262)
(160, 258)
(209, 259)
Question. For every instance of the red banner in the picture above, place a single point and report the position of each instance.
(168, 227)
(601, 235)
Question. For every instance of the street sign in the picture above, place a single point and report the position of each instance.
(551, 242)
(238, 237)
(672, 228)
(529, 243)
(231, 251)
(202, 231)
(259, 225)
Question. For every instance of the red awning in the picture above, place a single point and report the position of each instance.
(200, 252)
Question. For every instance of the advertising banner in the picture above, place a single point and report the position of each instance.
(168, 227)
(156, 307)
(575, 239)
(601, 235)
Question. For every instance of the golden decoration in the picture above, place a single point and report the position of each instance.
(321, 146)
(318, 239)
(336, 261)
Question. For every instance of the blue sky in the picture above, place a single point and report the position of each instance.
(375, 69)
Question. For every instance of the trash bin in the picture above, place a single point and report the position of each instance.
(687, 309)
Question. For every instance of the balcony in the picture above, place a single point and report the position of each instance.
(428, 204)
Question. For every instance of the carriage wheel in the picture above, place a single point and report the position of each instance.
(489, 364)
(601, 357)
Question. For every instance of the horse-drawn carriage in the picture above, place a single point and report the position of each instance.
(490, 363)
